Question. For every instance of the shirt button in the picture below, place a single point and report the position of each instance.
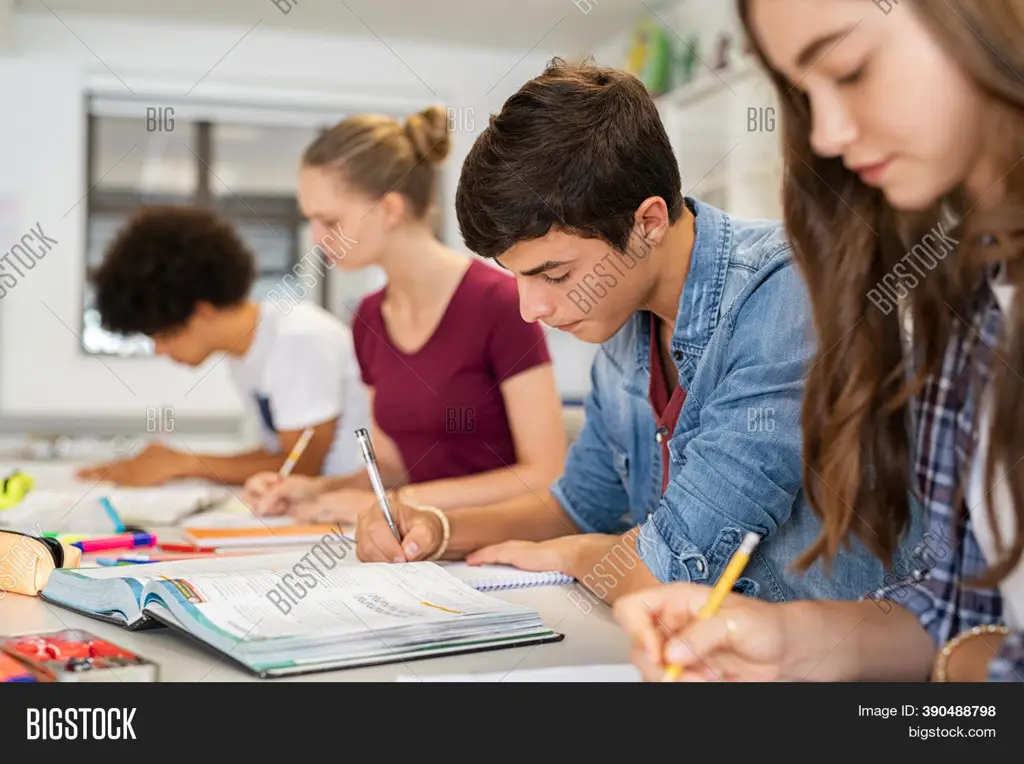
(700, 566)
(678, 355)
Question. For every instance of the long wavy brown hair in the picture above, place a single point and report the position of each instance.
(846, 238)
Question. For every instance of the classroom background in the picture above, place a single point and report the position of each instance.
(109, 104)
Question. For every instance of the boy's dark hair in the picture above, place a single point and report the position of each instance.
(163, 262)
(576, 149)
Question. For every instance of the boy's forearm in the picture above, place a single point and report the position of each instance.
(608, 565)
(531, 517)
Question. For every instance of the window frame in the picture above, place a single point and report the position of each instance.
(279, 212)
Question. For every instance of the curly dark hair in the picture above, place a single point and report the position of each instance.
(165, 261)
(576, 149)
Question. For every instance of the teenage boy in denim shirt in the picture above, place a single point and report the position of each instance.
(692, 433)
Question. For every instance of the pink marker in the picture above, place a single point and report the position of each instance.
(123, 541)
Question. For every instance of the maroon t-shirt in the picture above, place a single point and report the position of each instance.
(442, 405)
(666, 407)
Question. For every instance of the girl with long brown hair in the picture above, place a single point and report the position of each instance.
(903, 198)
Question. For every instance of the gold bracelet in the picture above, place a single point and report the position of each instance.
(446, 532)
(942, 661)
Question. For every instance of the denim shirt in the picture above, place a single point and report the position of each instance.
(742, 344)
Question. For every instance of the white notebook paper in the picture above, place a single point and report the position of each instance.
(72, 510)
(486, 578)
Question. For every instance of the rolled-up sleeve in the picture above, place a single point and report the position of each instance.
(590, 489)
(924, 595)
(925, 582)
(1008, 666)
(743, 470)
(945, 608)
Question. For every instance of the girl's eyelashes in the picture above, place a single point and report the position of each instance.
(556, 280)
(853, 77)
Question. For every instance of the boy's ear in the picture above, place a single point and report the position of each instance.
(203, 311)
(651, 220)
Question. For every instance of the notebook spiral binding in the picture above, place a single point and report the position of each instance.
(529, 581)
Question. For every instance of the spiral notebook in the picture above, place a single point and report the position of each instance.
(486, 578)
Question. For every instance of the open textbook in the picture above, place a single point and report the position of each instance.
(274, 617)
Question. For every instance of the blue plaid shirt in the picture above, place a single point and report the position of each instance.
(939, 591)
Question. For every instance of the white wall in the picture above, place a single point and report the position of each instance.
(51, 67)
(724, 158)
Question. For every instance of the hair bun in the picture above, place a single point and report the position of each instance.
(428, 132)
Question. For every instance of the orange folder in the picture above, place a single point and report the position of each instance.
(260, 535)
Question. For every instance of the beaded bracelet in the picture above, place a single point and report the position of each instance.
(942, 662)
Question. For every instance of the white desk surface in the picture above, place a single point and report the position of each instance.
(591, 638)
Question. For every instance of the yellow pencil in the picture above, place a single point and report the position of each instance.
(722, 588)
(296, 454)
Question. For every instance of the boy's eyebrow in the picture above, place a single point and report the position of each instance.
(547, 266)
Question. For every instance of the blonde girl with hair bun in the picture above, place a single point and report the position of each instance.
(465, 408)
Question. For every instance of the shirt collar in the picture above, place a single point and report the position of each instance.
(697, 316)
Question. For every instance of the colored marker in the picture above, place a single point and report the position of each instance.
(187, 548)
(66, 538)
(112, 513)
(125, 541)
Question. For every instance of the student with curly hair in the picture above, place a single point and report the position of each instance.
(182, 276)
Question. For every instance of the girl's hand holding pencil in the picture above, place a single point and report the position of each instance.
(693, 632)
(745, 641)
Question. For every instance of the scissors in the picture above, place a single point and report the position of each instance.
(14, 488)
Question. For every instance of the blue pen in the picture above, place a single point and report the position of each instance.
(112, 513)
(109, 562)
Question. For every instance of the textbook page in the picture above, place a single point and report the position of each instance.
(348, 599)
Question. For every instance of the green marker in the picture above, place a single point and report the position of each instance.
(65, 538)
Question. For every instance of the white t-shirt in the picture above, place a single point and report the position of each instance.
(1012, 587)
(301, 371)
